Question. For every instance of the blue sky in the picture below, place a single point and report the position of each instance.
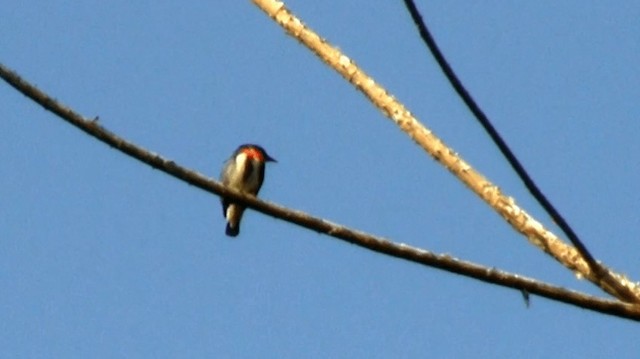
(101, 256)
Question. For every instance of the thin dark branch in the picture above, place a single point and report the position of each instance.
(508, 154)
(373, 243)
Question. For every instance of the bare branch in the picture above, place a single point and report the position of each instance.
(483, 120)
(376, 244)
(613, 283)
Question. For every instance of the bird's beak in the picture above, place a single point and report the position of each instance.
(268, 158)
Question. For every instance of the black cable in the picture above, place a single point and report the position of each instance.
(495, 136)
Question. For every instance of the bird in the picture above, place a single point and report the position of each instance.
(243, 171)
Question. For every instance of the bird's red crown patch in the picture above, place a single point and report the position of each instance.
(254, 153)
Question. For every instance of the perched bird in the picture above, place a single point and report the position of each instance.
(244, 171)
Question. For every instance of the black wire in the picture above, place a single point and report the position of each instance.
(495, 136)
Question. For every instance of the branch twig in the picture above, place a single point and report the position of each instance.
(599, 272)
(368, 241)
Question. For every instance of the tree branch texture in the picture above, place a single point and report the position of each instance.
(613, 283)
(368, 241)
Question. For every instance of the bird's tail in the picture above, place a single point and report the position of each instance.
(232, 231)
